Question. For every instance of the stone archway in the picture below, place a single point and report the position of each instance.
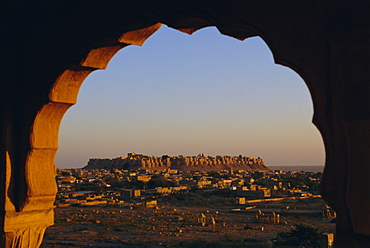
(36, 204)
(300, 35)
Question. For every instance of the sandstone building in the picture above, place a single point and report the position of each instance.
(135, 161)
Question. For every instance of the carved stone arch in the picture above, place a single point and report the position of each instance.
(326, 43)
(39, 168)
(45, 129)
(32, 212)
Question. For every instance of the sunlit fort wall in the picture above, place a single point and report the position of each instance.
(135, 161)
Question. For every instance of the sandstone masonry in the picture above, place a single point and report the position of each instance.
(200, 162)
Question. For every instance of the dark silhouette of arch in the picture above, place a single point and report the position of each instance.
(51, 47)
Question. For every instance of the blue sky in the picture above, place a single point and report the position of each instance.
(190, 94)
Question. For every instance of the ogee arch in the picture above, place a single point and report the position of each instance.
(56, 45)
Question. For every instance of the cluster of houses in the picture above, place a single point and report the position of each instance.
(249, 185)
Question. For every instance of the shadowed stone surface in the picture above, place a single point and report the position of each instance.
(50, 47)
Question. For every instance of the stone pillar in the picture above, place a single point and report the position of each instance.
(28, 209)
(346, 127)
(26, 229)
(36, 98)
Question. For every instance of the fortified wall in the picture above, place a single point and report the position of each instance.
(135, 161)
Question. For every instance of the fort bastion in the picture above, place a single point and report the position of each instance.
(135, 161)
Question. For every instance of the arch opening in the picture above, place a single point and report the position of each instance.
(132, 87)
(144, 80)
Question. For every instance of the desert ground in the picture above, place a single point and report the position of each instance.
(175, 223)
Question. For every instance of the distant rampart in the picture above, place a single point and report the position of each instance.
(135, 161)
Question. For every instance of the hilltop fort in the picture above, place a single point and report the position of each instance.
(200, 162)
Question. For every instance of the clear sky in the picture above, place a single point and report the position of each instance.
(190, 94)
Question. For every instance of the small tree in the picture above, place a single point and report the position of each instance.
(159, 182)
(306, 236)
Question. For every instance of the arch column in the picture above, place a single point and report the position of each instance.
(346, 180)
(30, 142)
(347, 172)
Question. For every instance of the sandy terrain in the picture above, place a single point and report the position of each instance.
(177, 226)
